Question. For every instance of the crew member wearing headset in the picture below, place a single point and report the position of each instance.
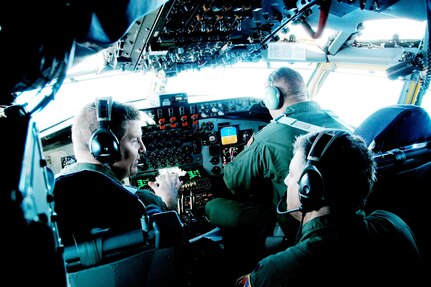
(330, 177)
(256, 176)
(107, 142)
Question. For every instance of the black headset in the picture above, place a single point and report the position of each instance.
(273, 97)
(104, 145)
(311, 182)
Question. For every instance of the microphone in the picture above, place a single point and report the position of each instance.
(287, 211)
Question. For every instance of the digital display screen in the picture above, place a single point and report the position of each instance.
(142, 183)
(193, 174)
(229, 135)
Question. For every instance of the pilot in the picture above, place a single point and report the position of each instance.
(84, 202)
(256, 176)
(330, 178)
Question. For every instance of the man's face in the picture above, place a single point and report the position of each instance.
(131, 146)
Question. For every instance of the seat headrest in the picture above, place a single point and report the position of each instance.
(395, 126)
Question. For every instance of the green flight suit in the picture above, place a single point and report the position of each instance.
(377, 249)
(256, 179)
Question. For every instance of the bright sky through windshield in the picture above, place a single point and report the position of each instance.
(246, 79)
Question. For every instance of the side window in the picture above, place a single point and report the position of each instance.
(355, 94)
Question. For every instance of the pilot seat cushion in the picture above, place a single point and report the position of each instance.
(395, 126)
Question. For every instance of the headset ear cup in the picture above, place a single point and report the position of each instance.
(311, 188)
(272, 98)
(104, 146)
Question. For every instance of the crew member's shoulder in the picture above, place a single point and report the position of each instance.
(274, 130)
(386, 219)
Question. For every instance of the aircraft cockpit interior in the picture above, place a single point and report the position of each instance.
(192, 128)
(196, 138)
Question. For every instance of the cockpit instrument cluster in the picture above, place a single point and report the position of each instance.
(200, 138)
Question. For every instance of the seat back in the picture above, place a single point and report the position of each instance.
(395, 126)
(122, 260)
(400, 137)
(87, 201)
(121, 253)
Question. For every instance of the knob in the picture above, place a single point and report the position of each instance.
(216, 170)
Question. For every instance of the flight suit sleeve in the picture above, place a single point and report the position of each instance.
(241, 174)
(151, 200)
(279, 269)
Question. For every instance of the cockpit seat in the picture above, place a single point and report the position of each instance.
(400, 138)
(107, 238)
(86, 201)
(395, 126)
(121, 260)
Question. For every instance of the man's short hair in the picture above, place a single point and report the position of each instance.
(294, 84)
(348, 170)
(85, 123)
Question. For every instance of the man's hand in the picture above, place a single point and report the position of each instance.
(167, 185)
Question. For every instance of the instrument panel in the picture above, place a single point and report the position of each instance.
(205, 134)
(199, 138)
